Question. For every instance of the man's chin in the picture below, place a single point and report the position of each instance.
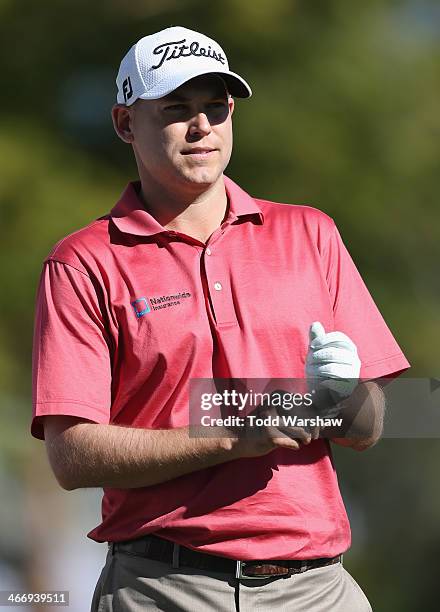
(201, 180)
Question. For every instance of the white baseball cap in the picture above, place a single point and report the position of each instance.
(158, 64)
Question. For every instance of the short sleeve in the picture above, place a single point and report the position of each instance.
(71, 356)
(356, 314)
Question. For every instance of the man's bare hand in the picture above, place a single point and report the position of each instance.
(255, 441)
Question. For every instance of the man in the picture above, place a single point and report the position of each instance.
(189, 277)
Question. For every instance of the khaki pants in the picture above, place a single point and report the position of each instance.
(131, 583)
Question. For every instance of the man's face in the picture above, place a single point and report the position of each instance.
(184, 140)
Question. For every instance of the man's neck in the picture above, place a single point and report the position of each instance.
(197, 214)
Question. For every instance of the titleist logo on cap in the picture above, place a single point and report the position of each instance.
(194, 48)
(147, 72)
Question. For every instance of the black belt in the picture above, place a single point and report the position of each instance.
(158, 549)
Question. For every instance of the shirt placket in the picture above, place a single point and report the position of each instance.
(216, 279)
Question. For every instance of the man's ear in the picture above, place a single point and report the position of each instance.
(231, 104)
(122, 117)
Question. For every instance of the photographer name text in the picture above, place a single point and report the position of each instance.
(270, 421)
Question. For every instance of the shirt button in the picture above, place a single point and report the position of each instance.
(208, 251)
(218, 286)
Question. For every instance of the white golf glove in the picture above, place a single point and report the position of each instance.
(332, 362)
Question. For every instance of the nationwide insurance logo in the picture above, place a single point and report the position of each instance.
(144, 305)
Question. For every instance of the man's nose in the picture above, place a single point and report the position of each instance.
(200, 125)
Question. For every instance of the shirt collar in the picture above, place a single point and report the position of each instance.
(130, 216)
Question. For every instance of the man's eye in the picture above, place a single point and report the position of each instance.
(175, 107)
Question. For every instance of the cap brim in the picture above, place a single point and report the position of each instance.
(236, 85)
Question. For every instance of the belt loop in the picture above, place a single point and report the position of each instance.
(112, 548)
(176, 548)
(238, 569)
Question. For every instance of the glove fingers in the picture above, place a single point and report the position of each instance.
(333, 339)
(340, 387)
(316, 332)
(333, 370)
(331, 355)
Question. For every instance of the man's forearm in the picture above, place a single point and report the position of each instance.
(363, 414)
(93, 455)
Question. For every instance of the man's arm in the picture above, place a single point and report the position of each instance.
(363, 414)
(333, 362)
(84, 454)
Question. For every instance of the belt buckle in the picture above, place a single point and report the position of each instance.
(239, 572)
(240, 576)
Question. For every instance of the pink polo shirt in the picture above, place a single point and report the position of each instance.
(128, 312)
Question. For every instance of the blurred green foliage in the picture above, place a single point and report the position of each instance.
(344, 117)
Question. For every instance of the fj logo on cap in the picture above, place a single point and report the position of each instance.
(182, 50)
(127, 89)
